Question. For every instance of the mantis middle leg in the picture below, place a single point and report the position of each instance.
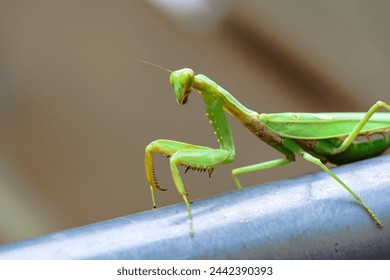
(258, 166)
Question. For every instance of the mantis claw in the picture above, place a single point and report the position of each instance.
(160, 189)
(155, 184)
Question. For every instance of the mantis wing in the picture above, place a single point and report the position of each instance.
(322, 125)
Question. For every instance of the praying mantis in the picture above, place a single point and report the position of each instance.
(338, 138)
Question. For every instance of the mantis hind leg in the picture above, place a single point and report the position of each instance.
(192, 156)
(355, 132)
(295, 148)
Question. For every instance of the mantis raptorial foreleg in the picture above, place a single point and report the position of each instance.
(191, 156)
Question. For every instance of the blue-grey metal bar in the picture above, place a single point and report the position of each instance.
(309, 217)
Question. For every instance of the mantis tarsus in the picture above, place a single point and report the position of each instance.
(338, 138)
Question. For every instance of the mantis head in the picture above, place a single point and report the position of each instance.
(182, 81)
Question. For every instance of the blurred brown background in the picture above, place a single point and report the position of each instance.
(76, 114)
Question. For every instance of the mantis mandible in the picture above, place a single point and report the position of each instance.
(338, 138)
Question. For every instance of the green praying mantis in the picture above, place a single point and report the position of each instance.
(338, 138)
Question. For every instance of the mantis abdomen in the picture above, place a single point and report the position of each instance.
(365, 145)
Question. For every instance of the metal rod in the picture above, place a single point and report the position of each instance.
(308, 217)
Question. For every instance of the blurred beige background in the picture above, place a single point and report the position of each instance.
(76, 114)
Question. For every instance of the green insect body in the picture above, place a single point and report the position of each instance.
(332, 129)
(338, 138)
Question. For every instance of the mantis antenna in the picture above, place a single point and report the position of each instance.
(140, 60)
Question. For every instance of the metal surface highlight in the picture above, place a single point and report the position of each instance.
(308, 217)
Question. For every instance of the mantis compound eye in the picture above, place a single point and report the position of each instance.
(182, 81)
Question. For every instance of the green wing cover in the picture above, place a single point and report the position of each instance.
(322, 125)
